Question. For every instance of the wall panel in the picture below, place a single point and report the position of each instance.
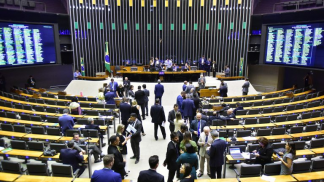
(218, 29)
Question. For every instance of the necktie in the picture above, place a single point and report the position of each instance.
(206, 139)
(113, 86)
(175, 145)
(198, 128)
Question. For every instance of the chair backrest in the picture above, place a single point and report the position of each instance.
(316, 114)
(82, 121)
(278, 109)
(61, 97)
(264, 132)
(227, 99)
(2, 143)
(71, 131)
(90, 133)
(286, 100)
(25, 117)
(57, 146)
(254, 111)
(51, 110)
(272, 169)
(251, 121)
(41, 101)
(280, 118)
(278, 131)
(82, 99)
(218, 122)
(268, 110)
(52, 119)
(62, 170)
(309, 128)
(306, 115)
(317, 164)
(32, 145)
(54, 131)
(278, 145)
(230, 133)
(264, 120)
(243, 133)
(292, 117)
(299, 145)
(253, 147)
(18, 144)
(268, 96)
(36, 118)
(7, 127)
(257, 103)
(11, 115)
(301, 166)
(31, 100)
(299, 106)
(296, 129)
(92, 113)
(248, 170)
(258, 97)
(110, 106)
(249, 98)
(98, 105)
(19, 128)
(51, 102)
(92, 99)
(316, 143)
(38, 130)
(245, 104)
(19, 106)
(61, 103)
(233, 122)
(37, 169)
(100, 122)
(11, 167)
(278, 101)
(82, 105)
(241, 112)
(267, 102)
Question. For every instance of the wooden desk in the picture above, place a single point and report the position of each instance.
(307, 134)
(263, 125)
(12, 134)
(304, 152)
(18, 121)
(83, 126)
(317, 151)
(215, 180)
(288, 123)
(297, 111)
(57, 157)
(278, 178)
(8, 176)
(228, 127)
(249, 116)
(271, 137)
(208, 92)
(309, 176)
(42, 137)
(34, 178)
(64, 139)
(24, 153)
(273, 114)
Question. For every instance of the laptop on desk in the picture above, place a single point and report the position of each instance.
(236, 153)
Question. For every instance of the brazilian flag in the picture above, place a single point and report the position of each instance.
(82, 67)
(241, 67)
(107, 58)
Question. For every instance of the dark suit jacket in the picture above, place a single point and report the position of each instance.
(179, 102)
(119, 164)
(216, 153)
(147, 94)
(93, 126)
(72, 157)
(66, 122)
(180, 136)
(158, 90)
(187, 107)
(140, 97)
(194, 127)
(238, 109)
(150, 176)
(29, 81)
(109, 98)
(125, 111)
(188, 88)
(223, 91)
(137, 135)
(157, 114)
(113, 86)
(171, 117)
(126, 84)
(196, 102)
(105, 175)
(172, 156)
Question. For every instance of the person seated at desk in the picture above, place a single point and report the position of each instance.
(74, 107)
(66, 121)
(106, 174)
(91, 125)
(264, 153)
(175, 67)
(97, 153)
(109, 97)
(187, 66)
(76, 75)
(157, 64)
(239, 107)
(151, 63)
(72, 157)
(168, 63)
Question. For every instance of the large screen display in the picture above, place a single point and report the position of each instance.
(26, 44)
(295, 45)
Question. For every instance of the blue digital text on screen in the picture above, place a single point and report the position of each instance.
(26, 44)
(295, 44)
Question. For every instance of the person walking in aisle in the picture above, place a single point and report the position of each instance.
(135, 136)
(146, 98)
(158, 91)
(245, 87)
(173, 152)
(158, 118)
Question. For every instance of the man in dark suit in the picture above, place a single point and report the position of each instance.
(189, 87)
(125, 111)
(66, 121)
(216, 153)
(202, 62)
(135, 136)
(126, 84)
(223, 90)
(227, 71)
(197, 127)
(171, 117)
(158, 91)
(91, 125)
(187, 108)
(181, 132)
(214, 68)
(140, 99)
(180, 99)
(151, 175)
(197, 103)
(239, 107)
(113, 86)
(97, 153)
(72, 157)
(184, 86)
(158, 117)
(146, 98)
(109, 97)
(120, 163)
(31, 81)
(106, 174)
(172, 155)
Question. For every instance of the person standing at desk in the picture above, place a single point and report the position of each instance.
(213, 68)
(202, 63)
(72, 157)
(227, 71)
(287, 159)
(207, 67)
(245, 87)
(202, 82)
(31, 81)
(216, 153)
(113, 86)
(126, 86)
(157, 64)
(158, 91)
(76, 75)
(106, 174)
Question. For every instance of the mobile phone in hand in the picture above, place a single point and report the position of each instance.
(278, 156)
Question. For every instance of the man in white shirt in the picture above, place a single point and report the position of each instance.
(205, 140)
